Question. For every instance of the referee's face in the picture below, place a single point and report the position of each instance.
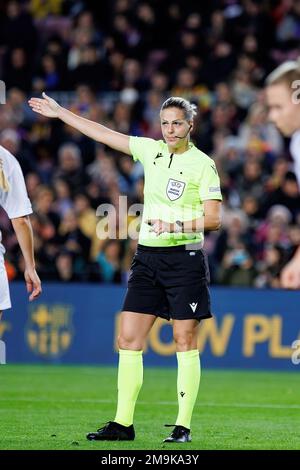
(175, 129)
(284, 108)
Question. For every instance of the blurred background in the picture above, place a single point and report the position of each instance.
(115, 62)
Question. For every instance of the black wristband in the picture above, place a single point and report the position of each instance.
(179, 226)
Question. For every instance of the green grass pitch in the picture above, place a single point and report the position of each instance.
(53, 407)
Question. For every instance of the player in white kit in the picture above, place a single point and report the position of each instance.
(14, 200)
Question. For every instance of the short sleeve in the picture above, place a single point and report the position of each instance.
(141, 147)
(210, 183)
(15, 202)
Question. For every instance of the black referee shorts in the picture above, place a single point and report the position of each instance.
(169, 283)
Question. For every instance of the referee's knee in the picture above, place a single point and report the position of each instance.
(184, 341)
(132, 344)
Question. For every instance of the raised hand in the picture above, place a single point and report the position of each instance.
(46, 106)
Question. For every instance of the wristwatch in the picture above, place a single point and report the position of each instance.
(178, 226)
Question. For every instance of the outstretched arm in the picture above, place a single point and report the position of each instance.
(22, 227)
(50, 108)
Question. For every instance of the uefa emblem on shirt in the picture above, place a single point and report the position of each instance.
(175, 189)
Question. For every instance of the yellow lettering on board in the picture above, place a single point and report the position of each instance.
(257, 329)
(4, 326)
(276, 348)
(217, 337)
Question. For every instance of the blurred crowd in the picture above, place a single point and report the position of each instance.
(115, 62)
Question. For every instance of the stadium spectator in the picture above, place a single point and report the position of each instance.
(237, 267)
(109, 261)
(63, 200)
(74, 240)
(87, 221)
(64, 267)
(17, 71)
(270, 269)
(70, 167)
(18, 29)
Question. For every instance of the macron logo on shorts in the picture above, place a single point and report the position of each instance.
(193, 306)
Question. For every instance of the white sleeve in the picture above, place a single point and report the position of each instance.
(16, 202)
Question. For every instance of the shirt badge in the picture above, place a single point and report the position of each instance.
(175, 189)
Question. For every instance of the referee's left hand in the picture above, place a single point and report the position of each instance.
(159, 226)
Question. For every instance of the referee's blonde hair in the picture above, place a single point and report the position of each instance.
(286, 73)
(4, 184)
(190, 109)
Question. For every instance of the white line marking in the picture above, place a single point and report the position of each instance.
(159, 403)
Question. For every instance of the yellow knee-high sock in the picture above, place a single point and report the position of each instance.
(188, 380)
(130, 380)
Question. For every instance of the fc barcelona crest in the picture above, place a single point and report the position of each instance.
(49, 330)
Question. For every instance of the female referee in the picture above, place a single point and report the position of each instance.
(169, 276)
